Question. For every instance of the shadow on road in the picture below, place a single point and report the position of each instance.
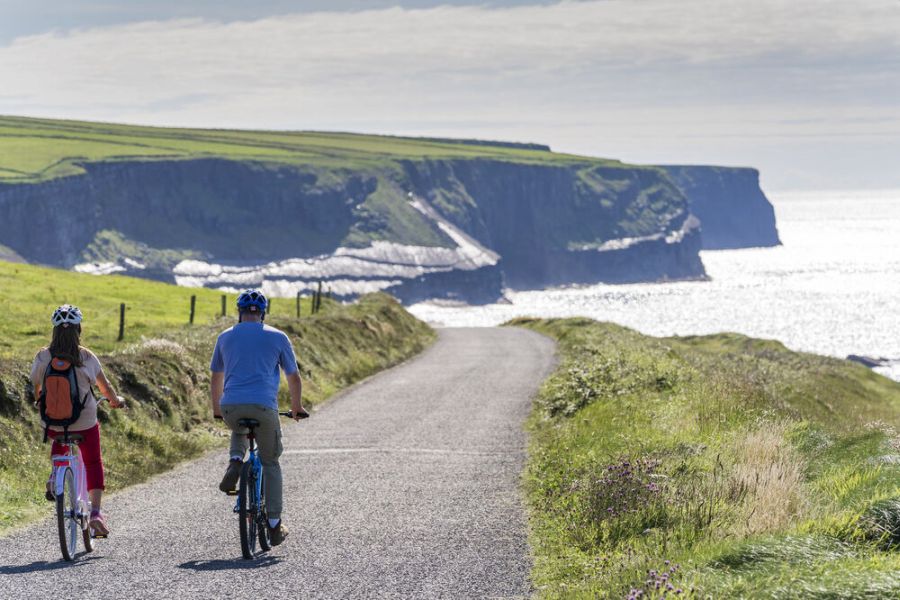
(44, 565)
(235, 564)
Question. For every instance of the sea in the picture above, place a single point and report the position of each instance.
(832, 287)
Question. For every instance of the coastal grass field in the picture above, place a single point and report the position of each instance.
(34, 150)
(162, 368)
(711, 467)
(29, 294)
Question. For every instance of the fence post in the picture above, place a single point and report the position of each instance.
(319, 297)
(121, 322)
(224, 300)
(298, 305)
(193, 306)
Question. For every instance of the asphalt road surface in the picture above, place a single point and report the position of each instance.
(406, 486)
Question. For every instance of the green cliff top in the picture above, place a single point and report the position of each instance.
(41, 149)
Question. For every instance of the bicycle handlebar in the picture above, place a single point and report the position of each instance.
(288, 414)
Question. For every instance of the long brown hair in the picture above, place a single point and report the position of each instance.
(65, 343)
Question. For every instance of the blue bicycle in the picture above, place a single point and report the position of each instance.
(251, 497)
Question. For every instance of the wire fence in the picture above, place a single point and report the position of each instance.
(315, 307)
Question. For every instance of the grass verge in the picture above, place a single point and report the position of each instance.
(166, 378)
(711, 467)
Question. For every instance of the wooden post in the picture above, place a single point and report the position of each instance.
(298, 305)
(224, 300)
(319, 297)
(193, 306)
(121, 322)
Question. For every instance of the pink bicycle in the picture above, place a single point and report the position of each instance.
(73, 506)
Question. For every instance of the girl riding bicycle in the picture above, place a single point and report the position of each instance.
(65, 347)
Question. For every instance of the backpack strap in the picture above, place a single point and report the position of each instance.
(73, 386)
(43, 394)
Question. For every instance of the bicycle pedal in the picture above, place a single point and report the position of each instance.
(231, 493)
(97, 536)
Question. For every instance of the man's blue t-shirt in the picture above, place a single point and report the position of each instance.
(250, 354)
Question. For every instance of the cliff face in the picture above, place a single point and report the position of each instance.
(459, 229)
(733, 211)
(555, 225)
(235, 211)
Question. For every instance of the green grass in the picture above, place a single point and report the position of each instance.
(162, 367)
(759, 472)
(39, 149)
(30, 293)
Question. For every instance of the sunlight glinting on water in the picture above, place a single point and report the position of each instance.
(832, 287)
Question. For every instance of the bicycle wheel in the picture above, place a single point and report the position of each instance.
(247, 511)
(263, 517)
(66, 522)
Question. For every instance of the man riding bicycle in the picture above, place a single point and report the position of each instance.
(244, 385)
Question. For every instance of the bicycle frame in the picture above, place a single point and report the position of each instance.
(256, 466)
(72, 460)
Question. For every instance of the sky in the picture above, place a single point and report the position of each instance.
(807, 91)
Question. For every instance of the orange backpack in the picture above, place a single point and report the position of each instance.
(60, 402)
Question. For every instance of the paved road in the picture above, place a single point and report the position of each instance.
(405, 486)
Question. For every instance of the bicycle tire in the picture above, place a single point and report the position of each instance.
(246, 511)
(66, 524)
(263, 517)
(87, 538)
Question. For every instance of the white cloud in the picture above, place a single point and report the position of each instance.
(617, 77)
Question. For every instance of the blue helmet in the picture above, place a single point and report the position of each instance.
(253, 301)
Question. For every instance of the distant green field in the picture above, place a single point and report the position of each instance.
(29, 294)
(38, 149)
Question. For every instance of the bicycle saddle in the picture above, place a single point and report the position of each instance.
(248, 423)
(71, 438)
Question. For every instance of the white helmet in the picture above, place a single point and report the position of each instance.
(66, 314)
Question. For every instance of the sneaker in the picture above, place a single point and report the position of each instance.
(49, 495)
(277, 534)
(232, 474)
(98, 524)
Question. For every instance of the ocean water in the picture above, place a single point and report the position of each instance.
(832, 288)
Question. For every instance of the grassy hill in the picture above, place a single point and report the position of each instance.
(39, 149)
(722, 466)
(162, 366)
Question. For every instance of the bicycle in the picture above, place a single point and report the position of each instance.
(253, 521)
(73, 507)
(68, 485)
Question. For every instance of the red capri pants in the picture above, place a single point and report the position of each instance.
(90, 454)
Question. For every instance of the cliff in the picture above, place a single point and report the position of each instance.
(563, 224)
(418, 218)
(733, 210)
(417, 232)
